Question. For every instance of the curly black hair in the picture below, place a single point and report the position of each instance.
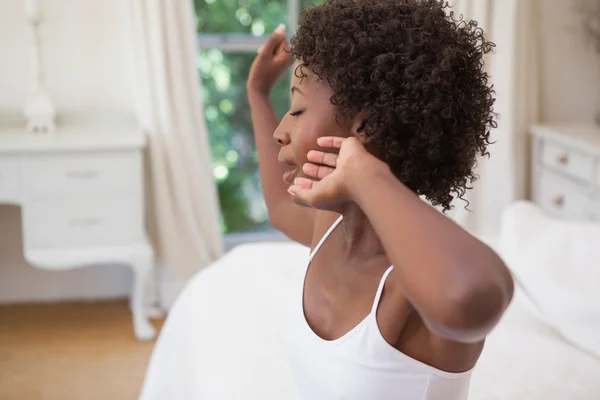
(418, 74)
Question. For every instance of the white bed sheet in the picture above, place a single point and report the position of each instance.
(222, 340)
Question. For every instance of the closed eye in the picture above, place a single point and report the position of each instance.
(296, 113)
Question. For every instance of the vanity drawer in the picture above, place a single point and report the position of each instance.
(89, 223)
(81, 174)
(568, 161)
(561, 198)
(9, 178)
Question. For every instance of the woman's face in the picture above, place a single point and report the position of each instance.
(311, 116)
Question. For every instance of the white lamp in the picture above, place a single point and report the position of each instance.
(39, 110)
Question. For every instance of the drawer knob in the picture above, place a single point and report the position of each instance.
(563, 159)
(559, 201)
(89, 174)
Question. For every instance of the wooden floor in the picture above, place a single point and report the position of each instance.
(71, 351)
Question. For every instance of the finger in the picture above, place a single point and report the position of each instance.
(283, 54)
(321, 157)
(329, 141)
(317, 171)
(301, 195)
(280, 49)
(304, 183)
(273, 42)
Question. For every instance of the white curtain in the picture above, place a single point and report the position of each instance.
(513, 25)
(183, 210)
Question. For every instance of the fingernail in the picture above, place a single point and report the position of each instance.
(280, 29)
(260, 49)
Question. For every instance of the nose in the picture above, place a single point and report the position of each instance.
(281, 137)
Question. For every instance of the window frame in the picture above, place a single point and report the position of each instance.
(240, 43)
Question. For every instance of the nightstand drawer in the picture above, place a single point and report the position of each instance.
(568, 161)
(9, 178)
(82, 174)
(561, 198)
(89, 223)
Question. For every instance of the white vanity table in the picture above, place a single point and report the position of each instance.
(566, 171)
(81, 195)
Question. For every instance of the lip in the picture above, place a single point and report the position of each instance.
(288, 176)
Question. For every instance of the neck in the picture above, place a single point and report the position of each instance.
(359, 237)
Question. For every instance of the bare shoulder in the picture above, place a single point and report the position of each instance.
(420, 343)
(455, 356)
(402, 326)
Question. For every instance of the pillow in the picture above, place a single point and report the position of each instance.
(557, 265)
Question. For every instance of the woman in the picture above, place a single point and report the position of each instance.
(390, 102)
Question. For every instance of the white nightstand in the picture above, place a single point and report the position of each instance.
(81, 194)
(566, 171)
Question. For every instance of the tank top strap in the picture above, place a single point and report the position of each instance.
(380, 289)
(324, 238)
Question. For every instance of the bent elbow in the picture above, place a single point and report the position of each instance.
(475, 309)
(480, 311)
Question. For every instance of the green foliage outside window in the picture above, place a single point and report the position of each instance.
(223, 75)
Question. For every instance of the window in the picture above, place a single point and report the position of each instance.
(229, 34)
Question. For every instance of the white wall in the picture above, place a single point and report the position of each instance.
(86, 51)
(571, 75)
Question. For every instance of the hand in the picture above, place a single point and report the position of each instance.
(271, 63)
(336, 173)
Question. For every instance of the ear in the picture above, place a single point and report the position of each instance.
(359, 122)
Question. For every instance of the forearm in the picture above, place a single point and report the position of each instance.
(295, 222)
(455, 282)
(264, 123)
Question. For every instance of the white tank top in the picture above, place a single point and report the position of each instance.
(361, 365)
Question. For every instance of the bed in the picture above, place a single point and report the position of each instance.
(222, 340)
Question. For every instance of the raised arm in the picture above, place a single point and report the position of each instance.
(269, 66)
(459, 286)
